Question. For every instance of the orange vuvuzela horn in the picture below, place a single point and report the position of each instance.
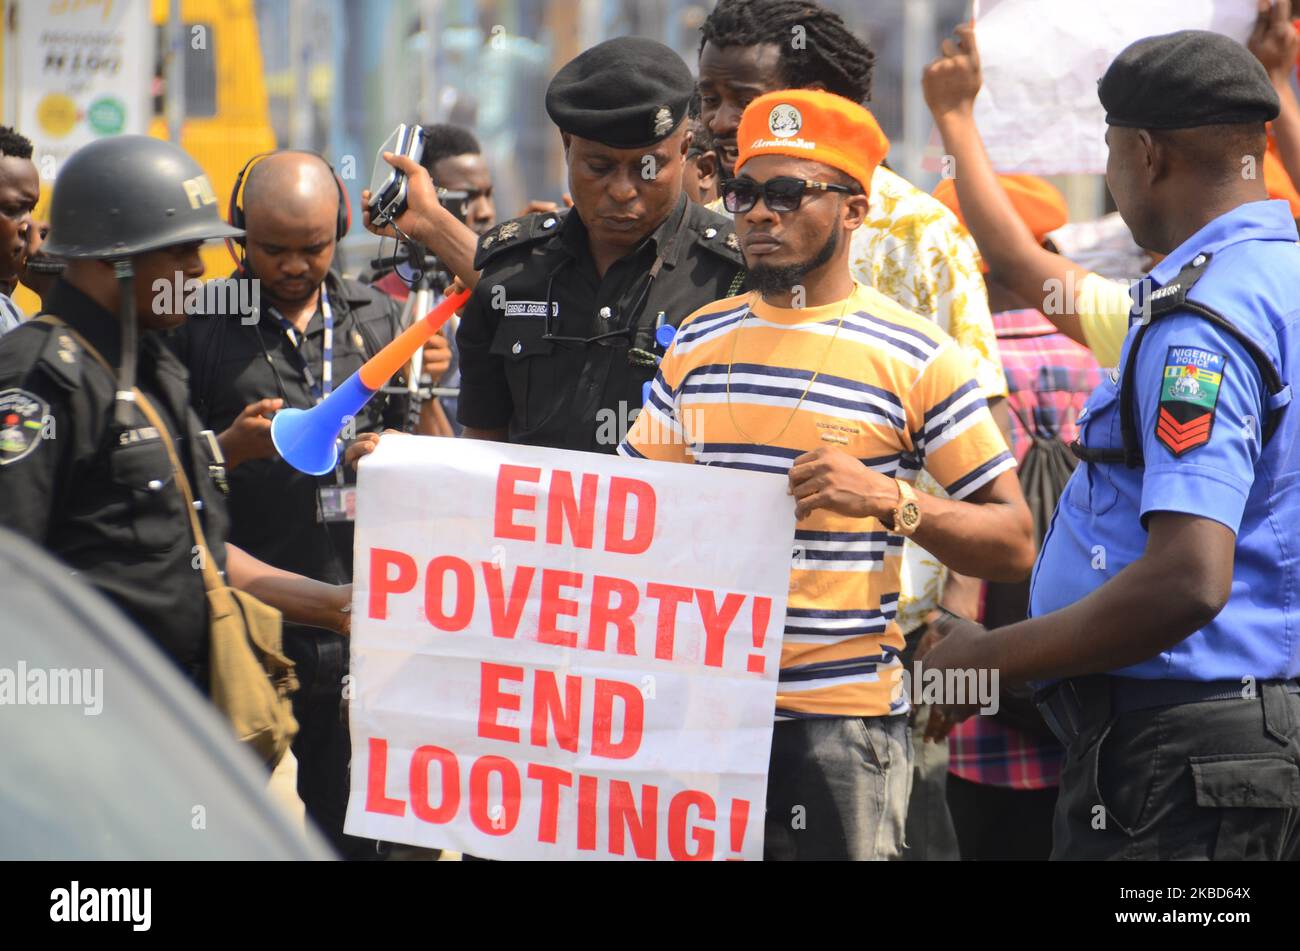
(308, 439)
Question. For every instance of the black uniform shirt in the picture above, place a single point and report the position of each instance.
(580, 395)
(102, 499)
(275, 510)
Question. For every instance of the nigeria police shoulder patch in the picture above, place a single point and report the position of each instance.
(1189, 392)
(22, 419)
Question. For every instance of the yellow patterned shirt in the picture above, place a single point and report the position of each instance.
(913, 250)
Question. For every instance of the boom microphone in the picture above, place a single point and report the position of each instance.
(308, 439)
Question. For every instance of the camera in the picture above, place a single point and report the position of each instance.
(388, 184)
(413, 263)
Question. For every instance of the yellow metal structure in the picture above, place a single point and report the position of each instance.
(241, 126)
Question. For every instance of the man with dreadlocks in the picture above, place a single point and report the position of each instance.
(910, 248)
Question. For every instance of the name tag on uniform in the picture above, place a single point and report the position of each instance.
(142, 434)
(338, 503)
(531, 308)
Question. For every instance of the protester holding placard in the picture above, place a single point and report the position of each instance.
(909, 248)
(828, 381)
(1084, 306)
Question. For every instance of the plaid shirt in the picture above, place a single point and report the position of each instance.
(1049, 377)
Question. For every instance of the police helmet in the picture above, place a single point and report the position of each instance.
(128, 194)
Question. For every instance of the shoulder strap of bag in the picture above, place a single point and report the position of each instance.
(211, 580)
(1173, 297)
(1161, 302)
(1026, 422)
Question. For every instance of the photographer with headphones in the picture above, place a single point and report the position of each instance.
(304, 330)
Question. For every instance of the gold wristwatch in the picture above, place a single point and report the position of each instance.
(907, 514)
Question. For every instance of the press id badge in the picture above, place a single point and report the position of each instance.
(338, 503)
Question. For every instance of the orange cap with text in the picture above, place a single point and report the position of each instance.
(814, 125)
(1040, 206)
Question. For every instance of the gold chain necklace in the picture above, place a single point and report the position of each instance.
(735, 340)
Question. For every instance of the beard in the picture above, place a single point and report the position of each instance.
(781, 279)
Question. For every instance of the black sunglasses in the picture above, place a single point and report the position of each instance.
(780, 194)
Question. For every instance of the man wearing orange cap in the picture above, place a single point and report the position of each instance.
(909, 248)
(1036, 201)
(821, 379)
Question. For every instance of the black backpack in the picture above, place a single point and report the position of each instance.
(1045, 469)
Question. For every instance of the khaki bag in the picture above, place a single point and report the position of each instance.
(251, 678)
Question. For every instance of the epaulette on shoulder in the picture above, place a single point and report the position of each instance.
(60, 355)
(516, 233)
(717, 233)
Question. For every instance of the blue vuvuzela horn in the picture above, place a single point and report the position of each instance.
(308, 439)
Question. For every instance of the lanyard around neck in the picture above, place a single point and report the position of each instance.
(326, 385)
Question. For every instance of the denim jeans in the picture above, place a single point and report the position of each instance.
(931, 834)
(837, 788)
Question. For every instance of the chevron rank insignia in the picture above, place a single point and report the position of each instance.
(1189, 392)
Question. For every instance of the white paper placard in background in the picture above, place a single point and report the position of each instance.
(1038, 110)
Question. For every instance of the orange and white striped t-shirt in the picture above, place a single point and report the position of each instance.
(895, 392)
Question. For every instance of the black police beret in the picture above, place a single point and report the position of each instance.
(1186, 79)
(627, 93)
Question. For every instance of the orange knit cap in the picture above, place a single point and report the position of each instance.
(1040, 206)
(814, 125)
(1278, 182)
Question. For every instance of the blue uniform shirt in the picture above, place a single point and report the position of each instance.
(1200, 404)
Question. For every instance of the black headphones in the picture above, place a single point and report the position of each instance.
(235, 213)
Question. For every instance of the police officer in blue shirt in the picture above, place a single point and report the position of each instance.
(1165, 628)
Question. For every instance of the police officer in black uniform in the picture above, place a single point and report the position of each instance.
(83, 469)
(572, 311)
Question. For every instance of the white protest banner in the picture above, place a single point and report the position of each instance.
(564, 655)
(84, 70)
(1038, 110)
